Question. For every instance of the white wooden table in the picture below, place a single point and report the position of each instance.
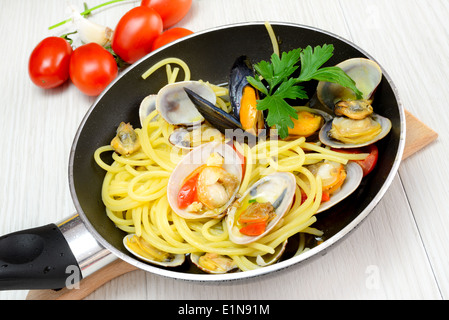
(403, 245)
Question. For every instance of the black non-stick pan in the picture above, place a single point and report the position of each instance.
(49, 257)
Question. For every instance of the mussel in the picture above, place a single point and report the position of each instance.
(211, 175)
(309, 122)
(215, 116)
(244, 97)
(245, 119)
(261, 207)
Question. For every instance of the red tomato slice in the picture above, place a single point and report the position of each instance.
(48, 66)
(170, 36)
(324, 196)
(171, 11)
(254, 229)
(187, 193)
(370, 161)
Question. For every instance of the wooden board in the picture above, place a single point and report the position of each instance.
(418, 136)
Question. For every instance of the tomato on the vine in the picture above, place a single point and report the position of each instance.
(48, 66)
(135, 32)
(171, 11)
(169, 36)
(92, 68)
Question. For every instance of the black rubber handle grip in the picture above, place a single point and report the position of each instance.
(38, 258)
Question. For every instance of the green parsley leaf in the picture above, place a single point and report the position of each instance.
(313, 59)
(279, 113)
(281, 86)
(258, 84)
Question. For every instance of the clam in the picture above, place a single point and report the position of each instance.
(269, 259)
(212, 172)
(342, 132)
(188, 138)
(265, 201)
(355, 124)
(147, 106)
(181, 138)
(126, 141)
(367, 75)
(176, 108)
(212, 262)
(338, 181)
(146, 252)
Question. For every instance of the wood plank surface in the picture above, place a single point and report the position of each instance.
(403, 242)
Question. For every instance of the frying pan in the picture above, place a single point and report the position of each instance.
(56, 255)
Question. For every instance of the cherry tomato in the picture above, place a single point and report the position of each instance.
(48, 65)
(187, 194)
(92, 68)
(254, 229)
(171, 11)
(169, 36)
(135, 32)
(370, 161)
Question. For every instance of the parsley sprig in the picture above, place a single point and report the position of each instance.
(281, 85)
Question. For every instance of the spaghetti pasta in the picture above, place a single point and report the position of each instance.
(134, 189)
(137, 202)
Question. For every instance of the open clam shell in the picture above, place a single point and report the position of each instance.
(269, 259)
(367, 75)
(196, 158)
(277, 188)
(147, 106)
(354, 175)
(173, 260)
(224, 264)
(326, 138)
(175, 106)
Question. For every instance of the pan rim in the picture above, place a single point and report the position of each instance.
(314, 252)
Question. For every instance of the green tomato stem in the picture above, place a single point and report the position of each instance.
(85, 13)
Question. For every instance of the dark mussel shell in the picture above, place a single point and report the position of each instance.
(241, 69)
(215, 116)
(226, 123)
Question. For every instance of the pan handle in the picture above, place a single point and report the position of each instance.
(37, 258)
(54, 256)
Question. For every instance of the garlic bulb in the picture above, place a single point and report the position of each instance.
(89, 31)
